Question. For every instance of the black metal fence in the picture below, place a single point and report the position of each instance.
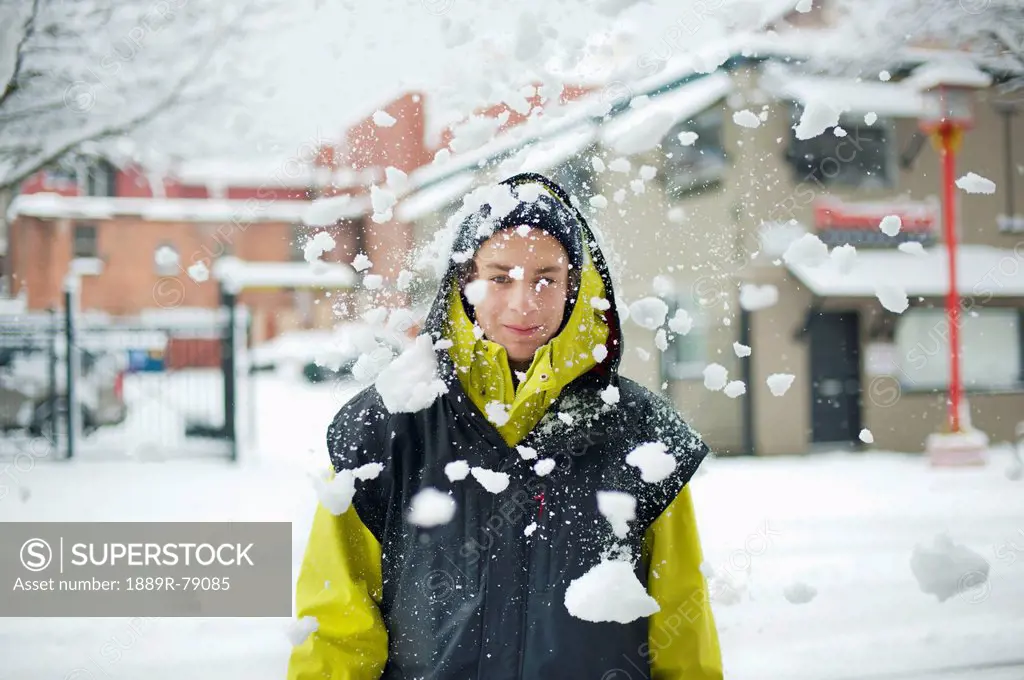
(149, 388)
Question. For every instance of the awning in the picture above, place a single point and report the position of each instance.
(639, 129)
(983, 272)
(238, 275)
(846, 94)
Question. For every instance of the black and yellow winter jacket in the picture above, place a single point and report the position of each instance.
(482, 597)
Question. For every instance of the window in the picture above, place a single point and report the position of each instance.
(59, 177)
(100, 179)
(300, 235)
(84, 242)
(686, 356)
(861, 158)
(698, 166)
(990, 349)
(576, 175)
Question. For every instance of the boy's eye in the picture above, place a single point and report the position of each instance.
(500, 278)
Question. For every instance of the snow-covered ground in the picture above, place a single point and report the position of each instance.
(844, 525)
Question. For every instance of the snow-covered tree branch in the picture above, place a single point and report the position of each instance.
(992, 29)
(77, 76)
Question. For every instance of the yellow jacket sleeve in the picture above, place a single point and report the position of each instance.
(340, 584)
(682, 638)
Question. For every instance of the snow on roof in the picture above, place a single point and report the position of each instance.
(681, 104)
(546, 154)
(54, 206)
(952, 72)
(238, 274)
(285, 172)
(852, 96)
(435, 197)
(981, 271)
(554, 120)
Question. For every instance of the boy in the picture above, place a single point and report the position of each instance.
(528, 345)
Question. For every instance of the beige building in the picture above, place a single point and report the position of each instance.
(711, 211)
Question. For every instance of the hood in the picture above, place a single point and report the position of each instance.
(481, 366)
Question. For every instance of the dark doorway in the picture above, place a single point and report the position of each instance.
(835, 377)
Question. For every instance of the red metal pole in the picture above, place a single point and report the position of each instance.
(949, 133)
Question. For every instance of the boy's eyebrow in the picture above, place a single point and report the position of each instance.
(508, 267)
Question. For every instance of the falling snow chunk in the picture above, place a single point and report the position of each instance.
(844, 257)
(382, 200)
(300, 629)
(405, 279)
(323, 212)
(457, 470)
(661, 340)
(383, 119)
(741, 350)
(528, 531)
(746, 118)
(619, 508)
(523, 230)
(754, 297)
(838, 131)
(779, 383)
(808, 250)
(199, 272)
(497, 412)
(610, 394)
(663, 286)
(544, 467)
(368, 471)
(361, 263)
(817, 117)
(884, 76)
(945, 569)
(890, 225)
(676, 215)
(410, 383)
(336, 493)
(373, 281)
(474, 132)
(620, 165)
(600, 353)
(866, 436)
(648, 172)
(476, 291)
(735, 389)
(599, 303)
(870, 118)
(976, 184)
(597, 164)
(395, 178)
(799, 593)
(320, 243)
(431, 508)
(166, 257)
(526, 452)
(599, 202)
(681, 322)
(638, 187)
(516, 273)
(911, 248)
(495, 482)
(619, 196)
(687, 138)
(804, 6)
(609, 592)
(654, 463)
(715, 377)
(649, 313)
(565, 418)
(892, 297)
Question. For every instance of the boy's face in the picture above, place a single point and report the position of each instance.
(525, 281)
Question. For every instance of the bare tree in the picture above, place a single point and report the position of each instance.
(77, 76)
